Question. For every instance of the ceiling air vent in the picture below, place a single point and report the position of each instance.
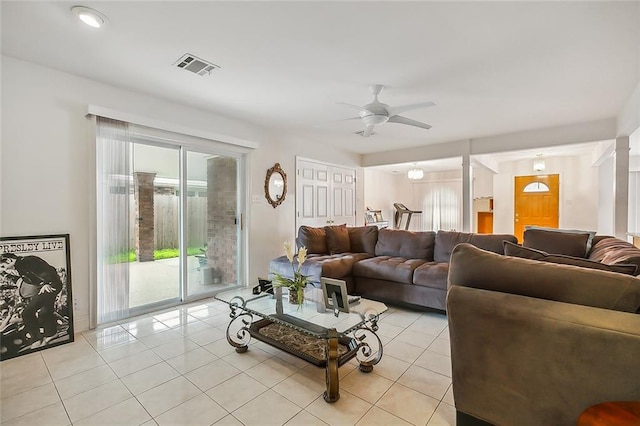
(195, 65)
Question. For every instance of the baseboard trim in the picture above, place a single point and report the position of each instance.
(80, 323)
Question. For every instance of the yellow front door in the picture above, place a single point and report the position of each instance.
(536, 202)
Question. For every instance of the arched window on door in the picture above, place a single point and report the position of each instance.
(536, 187)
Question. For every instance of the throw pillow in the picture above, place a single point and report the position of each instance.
(363, 239)
(314, 239)
(566, 243)
(338, 239)
(511, 249)
(614, 251)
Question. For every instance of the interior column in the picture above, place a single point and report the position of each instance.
(467, 193)
(621, 188)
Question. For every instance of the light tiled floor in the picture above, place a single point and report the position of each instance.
(175, 367)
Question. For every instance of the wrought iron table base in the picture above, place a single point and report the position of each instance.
(366, 356)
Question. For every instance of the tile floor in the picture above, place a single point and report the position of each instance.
(175, 367)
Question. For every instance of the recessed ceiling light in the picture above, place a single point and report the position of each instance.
(91, 17)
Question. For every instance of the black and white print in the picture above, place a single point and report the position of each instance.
(35, 294)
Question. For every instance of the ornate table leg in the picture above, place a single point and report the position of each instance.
(366, 355)
(332, 394)
(240, 338)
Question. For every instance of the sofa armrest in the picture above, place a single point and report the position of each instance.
(527, 361)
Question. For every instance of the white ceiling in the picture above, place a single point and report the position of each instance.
(491, 67)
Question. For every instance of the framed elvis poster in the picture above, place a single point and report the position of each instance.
(36, 305)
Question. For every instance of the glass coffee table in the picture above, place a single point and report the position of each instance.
(308, 331)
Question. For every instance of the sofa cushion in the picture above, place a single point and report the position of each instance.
(473, 267)
(447, 240)
(614, 251)
(363, 239)
(338, 239)
(407, 244)
(432, 274)
(314, 239)
(569, 243)
(398, 269)
(511, 249)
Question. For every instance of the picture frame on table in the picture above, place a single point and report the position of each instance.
(36, 302)
(331, 287)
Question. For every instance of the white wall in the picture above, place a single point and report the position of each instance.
(271, 227)
(634, 182)
(482, 183)
(605, 195)
(380, 192)
(46, 171)
(578, 199)
(628, 120)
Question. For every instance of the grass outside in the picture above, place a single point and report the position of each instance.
(167, 253)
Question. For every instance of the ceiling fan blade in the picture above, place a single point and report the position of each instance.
(404, 108)
(404, 120)
(368, 131)
(357, 107)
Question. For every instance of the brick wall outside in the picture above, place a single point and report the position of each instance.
(144, 225)
(222, 230)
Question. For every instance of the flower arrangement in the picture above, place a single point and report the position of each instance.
(299, 282)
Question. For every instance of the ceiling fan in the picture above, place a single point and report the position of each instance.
(376, 113)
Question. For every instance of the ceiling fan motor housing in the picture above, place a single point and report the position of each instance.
(375, 113)
(375, 119)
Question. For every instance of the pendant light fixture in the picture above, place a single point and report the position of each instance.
(538, 164)
(415, 173)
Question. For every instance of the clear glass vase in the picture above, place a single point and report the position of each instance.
(296, 297)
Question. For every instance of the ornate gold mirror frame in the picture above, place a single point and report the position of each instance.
(275, 185)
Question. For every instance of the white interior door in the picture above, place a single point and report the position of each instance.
(325, 194)
(343, 189)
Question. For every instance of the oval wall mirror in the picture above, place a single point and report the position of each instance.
(275, 185)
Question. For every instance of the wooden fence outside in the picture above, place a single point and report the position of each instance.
(166, 210)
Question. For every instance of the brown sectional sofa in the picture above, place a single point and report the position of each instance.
(390, 265)
(536, 343)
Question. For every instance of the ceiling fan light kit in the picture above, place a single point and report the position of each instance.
(377, 113)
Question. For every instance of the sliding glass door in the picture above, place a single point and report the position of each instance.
(155, 215)
(169, 222)
(212, 222)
